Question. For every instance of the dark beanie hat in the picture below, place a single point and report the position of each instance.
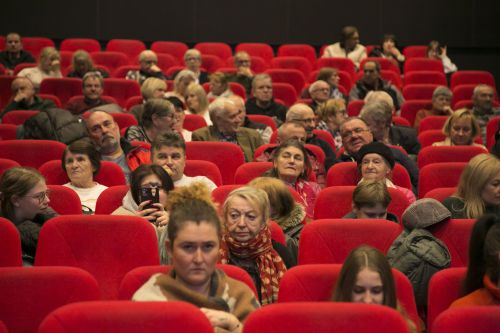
(377, 148)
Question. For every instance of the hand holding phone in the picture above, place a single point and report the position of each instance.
(151, 194)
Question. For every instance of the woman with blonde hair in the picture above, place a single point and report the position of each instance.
(151, 88)
(197, 101)
(49, 65)
(82, 64)
(182, 80)
(461, 129)
(478, 190)
(331, 115)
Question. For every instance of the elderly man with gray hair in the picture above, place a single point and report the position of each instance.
(227, 118)
(319, 92)
(263, 102)
(483, 109)
(441, 105)
(148, 67)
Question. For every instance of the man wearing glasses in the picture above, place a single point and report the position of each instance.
(148, 67)
(319, 92)
(371, 81)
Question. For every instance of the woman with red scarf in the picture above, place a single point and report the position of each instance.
(247, 241)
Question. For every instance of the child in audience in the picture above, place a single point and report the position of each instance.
(438, 52)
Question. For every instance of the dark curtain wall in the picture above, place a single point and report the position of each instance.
(470, 28)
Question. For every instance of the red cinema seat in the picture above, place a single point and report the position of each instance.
(298, 50)
(75, 44)
(5, 92)
(316, 283)
(111, 60)
(472, 77)
(21, 66)
(426, 77)
(410, 108)
(491, 130)
(442, 154)
(432, 123)
(262, 119)
(342, 64)
(211, 62)
(336, 201)
(220, 194)
(175, 49)
(203, 168)
(110, 173)
(235, 87)
(221, 50)
(285, 92)
(422, 64)
(415, 51)
(345, 79)
(455, 233)
(325, 136)
(419, 91)
(63, 88)
(440, 193)
(64, 200)
(124, 119)
(121, 89)
(464, 92)
(130, 47)
(265, 51)
(227, 156)
(437, 175)
(110, 199)
(7, 132)
(428, 137)
(354, 107)
(468, 320)
(10, 248)
(18, 117)
(53, 98)
(34, 45)
(444, 288)
(6, 164)
(325, 317)
(293, 62)
(134, 279)
(122, 71)
(133, 101)
(250, 170)
(3, 328)
(330, 241)
(30, 294)
(286, 75)
(31, 153)
(165, 61)
(192, 122)
(126, 317)
(84, 242)
(400, 121)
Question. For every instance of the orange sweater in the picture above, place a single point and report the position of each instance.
(489, 295)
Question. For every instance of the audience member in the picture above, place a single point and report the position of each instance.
(81, 162)
(49, 64)
(24, 200)
(285, 211)
(264, 130)
(262, 101)
(370, 200)
(219, 86)
(416, 252)
(366, 277)
(82, 64)
(179, 116)
(331, 76)
(441, 105)
(226, 119)
(105, 134)
(23, 97)
(192, 61)
(193, 242)
(158, 117)
(148, 67)
(378, 116)
(372, 81)
(151, 88)
(304, 114)
(92, 89)
(482, 280)
(478, 190)
(330, 116)
(182, 80)
(292, 166)
(13, 54)
(347, 47)
(389, 50)
(168, 150)
(319, 92)
(376, 162)
(244, 74)
(197, 101)
(483, 108)
(460, 129)
(356, 133)
(438, 52)
(247, 242)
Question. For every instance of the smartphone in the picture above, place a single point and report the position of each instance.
(151, 193)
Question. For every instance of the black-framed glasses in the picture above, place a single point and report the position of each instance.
(349, 134)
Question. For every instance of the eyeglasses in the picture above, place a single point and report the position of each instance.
(349, 134)
(41, 196)
(151, 185)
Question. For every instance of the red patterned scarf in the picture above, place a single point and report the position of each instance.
(269, 264)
